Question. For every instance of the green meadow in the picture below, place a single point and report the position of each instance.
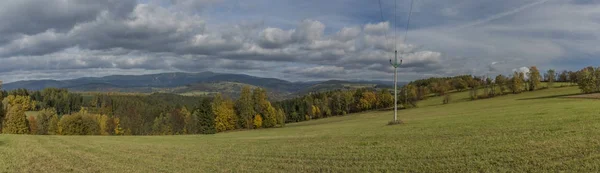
(539, 131)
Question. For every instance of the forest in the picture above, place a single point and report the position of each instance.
(60, 112)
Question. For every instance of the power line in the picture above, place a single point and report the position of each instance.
(385, 32)
(408, 22)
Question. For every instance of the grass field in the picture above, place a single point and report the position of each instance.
(535, 132)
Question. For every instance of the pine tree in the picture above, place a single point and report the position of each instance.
(206, 117)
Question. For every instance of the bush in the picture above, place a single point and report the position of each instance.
(79, 124)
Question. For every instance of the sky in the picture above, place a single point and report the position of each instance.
(295, 40)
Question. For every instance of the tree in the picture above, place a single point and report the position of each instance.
(224, 114)
(586, 80)
(53, 128)
(459, 84)
(33, 125)
(367, 101)
(191, 122)
(384, 99)
(563, 77)
(474, 85)
(501, 83)
(43, 120)
(206, 117)
(245, 108)
(280, 117)
(516, 83)
(16, 120)
(257, 121)
(105, 124)
(550, 77)
(534, 78)
(162, 125)
(80, 123)
(408, 96)
(270, 117)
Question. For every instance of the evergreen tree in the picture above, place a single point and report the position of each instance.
(245, 108)
(206, 117)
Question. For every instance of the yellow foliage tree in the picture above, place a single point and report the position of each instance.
(224, 114)
(257, 121)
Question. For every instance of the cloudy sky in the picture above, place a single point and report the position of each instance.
(296, 40)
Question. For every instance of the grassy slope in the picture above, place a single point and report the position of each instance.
(527, 132)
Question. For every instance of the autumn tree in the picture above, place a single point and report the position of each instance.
(16, 120)
(106, 125)
(270, 117)
(79, 123)
(534, 78)
(257, 121)
(244, 107)
(191, 121)
(33, 125)
(384, 99)
(367, 100)
(224, 113)
(264, 108)
(162, 125)
(516, 83)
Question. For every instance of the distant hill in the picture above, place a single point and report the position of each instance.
(204, 83)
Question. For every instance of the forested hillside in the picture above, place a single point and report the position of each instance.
(67, 113)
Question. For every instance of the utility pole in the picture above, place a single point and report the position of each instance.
(395, 64)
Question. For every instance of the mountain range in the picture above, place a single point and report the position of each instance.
(204, 83)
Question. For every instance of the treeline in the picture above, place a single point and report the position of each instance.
(65, 113)
(333, 103)
(481, 87)
(156, 114)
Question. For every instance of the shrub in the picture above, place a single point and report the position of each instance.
(79, 124)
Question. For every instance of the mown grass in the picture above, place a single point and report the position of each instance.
(529, 132)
